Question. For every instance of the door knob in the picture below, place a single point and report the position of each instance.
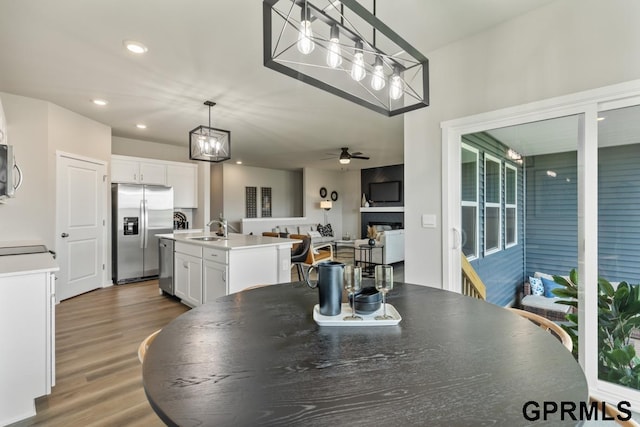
(63, 235)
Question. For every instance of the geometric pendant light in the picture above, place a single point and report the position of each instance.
(209, 144)
(344, 49)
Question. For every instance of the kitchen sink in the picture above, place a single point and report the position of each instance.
(206, 238)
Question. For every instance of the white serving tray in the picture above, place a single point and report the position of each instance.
(367, 319)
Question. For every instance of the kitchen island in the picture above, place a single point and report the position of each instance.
(207, 266)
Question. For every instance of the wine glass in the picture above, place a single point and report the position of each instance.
(352, 284)
(384, 283)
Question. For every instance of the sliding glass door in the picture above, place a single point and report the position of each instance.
(585, 197)
(618, 344)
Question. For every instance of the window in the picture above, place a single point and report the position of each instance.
(492, 204)
(469, 201)
(510, 205)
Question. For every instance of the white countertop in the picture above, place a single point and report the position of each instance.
(233, 241)
(13, 265)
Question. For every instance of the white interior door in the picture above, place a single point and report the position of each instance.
(80, 225)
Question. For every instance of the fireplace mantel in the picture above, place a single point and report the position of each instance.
(383, 209)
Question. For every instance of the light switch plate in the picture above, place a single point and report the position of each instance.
(428, 221)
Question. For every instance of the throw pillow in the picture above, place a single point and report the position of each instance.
(549, 285)
(321, 230)
(328, 230)
(537, 288)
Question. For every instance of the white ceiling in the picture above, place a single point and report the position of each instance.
(615, 127)
(70, 51)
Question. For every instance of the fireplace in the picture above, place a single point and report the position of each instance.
(393, 219)
(393, 225)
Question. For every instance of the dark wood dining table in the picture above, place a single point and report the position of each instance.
(257, 358)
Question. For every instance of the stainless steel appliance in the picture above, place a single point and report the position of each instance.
(10, 174)
(165, 276)
(139, 213)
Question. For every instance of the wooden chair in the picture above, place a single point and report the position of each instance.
(472, 286)
(549, 326)
(316, 254)
(144, 345)
(613, 412)
(270, 234)
(300, 252)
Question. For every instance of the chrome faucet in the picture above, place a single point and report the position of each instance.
(223, 224)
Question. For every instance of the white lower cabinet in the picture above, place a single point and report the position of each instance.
(215, 280)
(188, 273)
(203, 274)
(27, 328)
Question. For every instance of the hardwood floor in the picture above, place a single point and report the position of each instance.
(98, 375)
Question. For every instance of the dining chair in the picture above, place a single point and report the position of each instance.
(300, 252)
(144, 345)
(547, 325)
(315, 254)
(613, 412)
(270, 234)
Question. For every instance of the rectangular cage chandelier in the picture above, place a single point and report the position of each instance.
(342, 48)
(209, 144)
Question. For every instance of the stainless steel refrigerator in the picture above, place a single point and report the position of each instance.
(139, 213)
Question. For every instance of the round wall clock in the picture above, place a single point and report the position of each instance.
(323, 192)
(334, 195)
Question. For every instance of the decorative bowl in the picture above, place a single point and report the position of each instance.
(368, 300)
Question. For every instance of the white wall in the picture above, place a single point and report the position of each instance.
(345, 213)
(23, 217)
(564, 47)
(37, 129)
(148, 149)
(286, 191)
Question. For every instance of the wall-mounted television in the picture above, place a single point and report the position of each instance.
(388, 191)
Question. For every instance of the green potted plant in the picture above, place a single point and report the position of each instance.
(618, 316)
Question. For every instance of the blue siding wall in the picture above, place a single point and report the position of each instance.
(502, 272)
(619, 213)
(552, 213)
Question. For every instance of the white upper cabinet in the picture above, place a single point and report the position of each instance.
(183, 177)
(138, 171)
(184, 180)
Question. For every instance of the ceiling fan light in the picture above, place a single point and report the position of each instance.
(345, 161)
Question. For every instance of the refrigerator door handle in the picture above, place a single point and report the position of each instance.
(146, 223)
(143, 224)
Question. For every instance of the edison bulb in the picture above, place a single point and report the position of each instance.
(305, 43)
(396, 87)
(334, 56)
(357, 68)
(377, 79)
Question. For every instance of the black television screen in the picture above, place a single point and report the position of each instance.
(388, 191)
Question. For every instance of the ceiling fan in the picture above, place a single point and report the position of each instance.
(345, 156)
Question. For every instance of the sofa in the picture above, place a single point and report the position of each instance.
(392, 242)
(546, 304)
(319, 234)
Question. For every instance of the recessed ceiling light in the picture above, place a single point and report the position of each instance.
(135, 47)
(601, 118)
(239, 162)
(100, 102)
(141, 126)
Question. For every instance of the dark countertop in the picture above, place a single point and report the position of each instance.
(258, 358)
